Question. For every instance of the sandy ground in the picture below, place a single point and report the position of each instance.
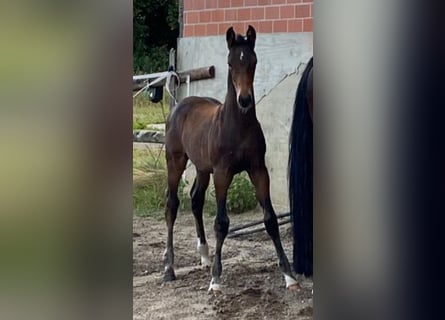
(254, 288)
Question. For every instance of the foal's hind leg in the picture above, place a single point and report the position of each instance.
(175, 167)
(260, 179)
(198, 196)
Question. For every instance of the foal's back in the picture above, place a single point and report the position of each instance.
(187, 129)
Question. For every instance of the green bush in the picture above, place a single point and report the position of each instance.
(241, 194)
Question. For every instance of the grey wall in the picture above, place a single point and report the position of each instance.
(281, 59)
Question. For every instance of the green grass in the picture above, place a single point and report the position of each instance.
(150, 186)
(145, 112)
(149, 182)
(149, 167)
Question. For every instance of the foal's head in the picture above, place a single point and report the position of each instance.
(242, 62)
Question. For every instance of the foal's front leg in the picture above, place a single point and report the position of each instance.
(260, 179)
(222, 180)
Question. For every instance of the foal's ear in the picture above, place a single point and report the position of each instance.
(251, 36)
(230, 37)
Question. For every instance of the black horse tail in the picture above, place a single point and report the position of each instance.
(300, 179)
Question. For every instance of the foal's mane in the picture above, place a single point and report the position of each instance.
(240, 41)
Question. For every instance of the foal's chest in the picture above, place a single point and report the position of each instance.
(242, 155)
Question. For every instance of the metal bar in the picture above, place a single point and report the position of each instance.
(150, 76)
(251, 224)
(234, 235)
(172, 84)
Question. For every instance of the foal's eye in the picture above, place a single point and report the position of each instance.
(230, 66)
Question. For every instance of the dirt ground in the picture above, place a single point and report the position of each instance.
(254, 287)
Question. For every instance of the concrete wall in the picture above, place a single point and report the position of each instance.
(281, 59)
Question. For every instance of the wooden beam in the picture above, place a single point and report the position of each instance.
(195, 75)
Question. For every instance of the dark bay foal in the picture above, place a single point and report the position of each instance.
(223, 140)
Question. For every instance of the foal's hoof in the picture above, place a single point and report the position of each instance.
(205, 263)
(203, 250)
(169, 275)
(215, 288)
(291, 283)
(294, 287)
(215, 291)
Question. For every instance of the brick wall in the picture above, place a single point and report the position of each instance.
(213, 17)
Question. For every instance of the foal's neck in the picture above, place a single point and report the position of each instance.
(231, 111)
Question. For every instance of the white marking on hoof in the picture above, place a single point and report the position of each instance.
(215, 287)
(291, 283)
(203, 250)
(205, 262)
(241, 56)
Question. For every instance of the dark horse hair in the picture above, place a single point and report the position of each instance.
(300, 175)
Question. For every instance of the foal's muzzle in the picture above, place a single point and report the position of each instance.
(245, 102)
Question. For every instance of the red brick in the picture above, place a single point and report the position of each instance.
(295, 25)
(265, 27)
(223, 3)
(257, 13)
(264, 2)
(252, 23)
(278, 1)
(199, 4)
(307, 25)
(191, 17)
(287, 12)
(244, 14)
(239, 27)
(222, 27)
(211, 4)
(311, 13)
(188, 5)
(188, 31)
(236, 3)
(307, 0)
(272, 12)
(200, 30)
(294, 1)
(204, 16)
(212, 29)
(217, 15)
(280, 26)
(302, 11)
(230, 15)
(250, 2)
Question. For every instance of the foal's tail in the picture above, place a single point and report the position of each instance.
(300, 178)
